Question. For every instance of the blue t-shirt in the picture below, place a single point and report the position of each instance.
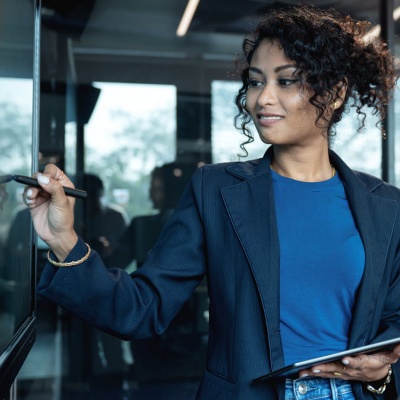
(321, 265)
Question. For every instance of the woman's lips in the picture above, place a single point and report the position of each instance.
(269, 119)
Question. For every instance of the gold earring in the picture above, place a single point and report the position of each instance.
(335, 105)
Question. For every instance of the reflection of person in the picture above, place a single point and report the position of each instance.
(301, 253)
(104, 224)
(166, 186)
(179, 351)
(103, 227)
(8, 315)
(3, 196)
(16, 262)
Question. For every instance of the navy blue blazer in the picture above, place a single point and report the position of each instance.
(225, 227)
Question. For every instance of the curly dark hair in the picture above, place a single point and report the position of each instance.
(329, 50)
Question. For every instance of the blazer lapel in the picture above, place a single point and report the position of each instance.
(250, 205)
(374, 217)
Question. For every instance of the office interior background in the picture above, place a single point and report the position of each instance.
(129, 106)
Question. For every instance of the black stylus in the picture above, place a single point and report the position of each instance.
(26, 180)
(5, 179)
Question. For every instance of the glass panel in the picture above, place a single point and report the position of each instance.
(15, 234)
(16, 94)
(127, 136)
(17, 277)
(134, 180)
(360, 150)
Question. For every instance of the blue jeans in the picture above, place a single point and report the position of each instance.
(318, 388)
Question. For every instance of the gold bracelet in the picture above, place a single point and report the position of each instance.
(383, 387)
(71, 263)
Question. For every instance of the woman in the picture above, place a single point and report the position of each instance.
(301, 253)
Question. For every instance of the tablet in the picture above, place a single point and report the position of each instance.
(296, 367)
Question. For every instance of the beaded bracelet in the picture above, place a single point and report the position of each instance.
(71, 263)
(381, 389)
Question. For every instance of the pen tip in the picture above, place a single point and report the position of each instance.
(6, 178)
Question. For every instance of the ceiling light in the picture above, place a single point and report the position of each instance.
(187, 17)
(396, 13)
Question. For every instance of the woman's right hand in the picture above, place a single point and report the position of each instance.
(52, 211)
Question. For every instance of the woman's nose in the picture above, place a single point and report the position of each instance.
(267, 95)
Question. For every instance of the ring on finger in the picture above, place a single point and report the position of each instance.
(339, 373)
(61, 176)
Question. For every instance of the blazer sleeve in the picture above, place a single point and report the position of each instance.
(141, 304)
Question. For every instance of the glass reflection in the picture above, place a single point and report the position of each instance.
(15, 226)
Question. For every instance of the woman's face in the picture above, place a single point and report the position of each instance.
(278, 103)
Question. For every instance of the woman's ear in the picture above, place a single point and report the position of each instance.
(341, 90)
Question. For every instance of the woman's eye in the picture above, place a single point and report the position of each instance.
(287, 82)
(253, 83)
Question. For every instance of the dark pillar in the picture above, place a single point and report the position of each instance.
(194, 127)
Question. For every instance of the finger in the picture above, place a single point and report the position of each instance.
(369, 367)
(328, 370)
(379, 359)
(55, 173)
(396, 351)
(337, 370)
(52, 171)
(52, 181)
(54, 188)
(30, 196)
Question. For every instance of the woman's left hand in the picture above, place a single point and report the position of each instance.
(363, 367)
